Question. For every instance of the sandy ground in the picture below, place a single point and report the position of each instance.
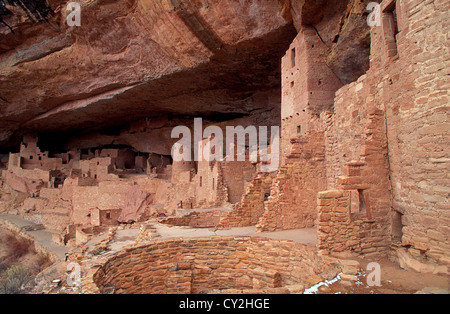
(393, 280)
(307, 236)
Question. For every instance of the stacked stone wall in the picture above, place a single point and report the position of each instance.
(210, 264)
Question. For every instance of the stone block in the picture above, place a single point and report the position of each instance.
(348, 277)
(330, 194)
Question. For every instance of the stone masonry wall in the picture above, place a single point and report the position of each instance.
(308, 87)
(364, 164)
(203, 264)
(197, 219)
(251, 208)
(394, 119)
(415, 89)
(292, 201)
(237, 176)
(308, 90)
(336, 231)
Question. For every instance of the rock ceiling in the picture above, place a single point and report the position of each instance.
(132, 59)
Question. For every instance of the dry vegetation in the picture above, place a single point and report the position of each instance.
(19, 263)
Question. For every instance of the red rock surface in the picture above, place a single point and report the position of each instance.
(363, 115)
(131, 59)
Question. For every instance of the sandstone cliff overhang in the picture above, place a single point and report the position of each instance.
(135, 58)
(131, 59)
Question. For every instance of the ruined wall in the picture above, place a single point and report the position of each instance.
(197, 219)
(206, 182)
(394, 119)
(32, 157)
(202, 264)
(108, 217)
(342, 226)
(196, 190)
(237, 176)
(385, 137)
(108, 195)
(96, 168)
(332, 156)
(48, 208)
(308, 86)
(27, 181)
(308, 90)
(358, 155)
(251, 207)
(292, 200)
(336, 230)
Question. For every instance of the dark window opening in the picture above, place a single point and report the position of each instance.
(293, 57)
(397, 227)
(108, 215)
(396, 31)
(299, 129)
(358, 202)
(201, 181)
(362, 201)
(390, 29)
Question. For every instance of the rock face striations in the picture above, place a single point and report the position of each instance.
(132, 59)
(357, 89)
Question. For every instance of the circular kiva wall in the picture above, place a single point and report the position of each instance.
(204, 264)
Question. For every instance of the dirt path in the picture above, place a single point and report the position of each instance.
(42, 237)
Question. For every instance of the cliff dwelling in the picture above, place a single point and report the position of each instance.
(222, 147)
